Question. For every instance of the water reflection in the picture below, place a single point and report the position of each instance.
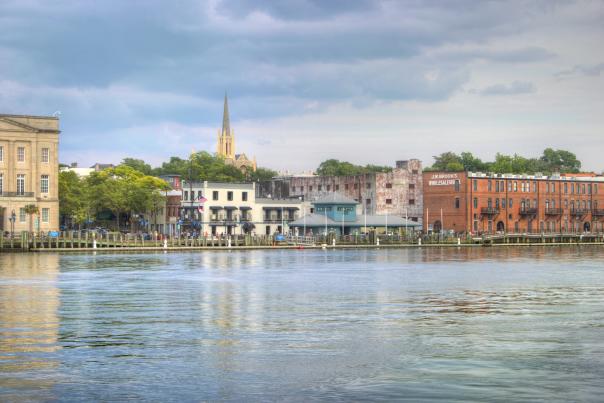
(29, 325)
(456, 323)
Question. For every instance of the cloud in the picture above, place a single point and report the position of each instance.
(514, 88)
(582, 70)
(150, 71)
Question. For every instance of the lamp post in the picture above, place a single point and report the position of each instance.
(12, 219)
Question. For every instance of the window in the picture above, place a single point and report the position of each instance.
(547, 187)
(199, 196)
(44, 184)
(589, 189)
(515, 186)
(356, 186)
(457, 202)
(583, 188)
(346, 186)
(20, 154)
(337, 188)
(328, 188)
(45, 214)
(572, 188)
(368, 202)
(414, 171)
(21, 214)
(20, 184)
(45, 155)
(411, 202)
(502, 203)
(293, 189)
(215, 195)
(497, 186)
(388, 185)
(310, 188)
(230, 196)
(244, 196)
(388, 201)
(369, 186)
(1, 153)
(566, 188)
(475, 202)
(456, 186)
(302, 189)
(412, 186)
(1, 183)
(320, 187)
(535, 187)
(186, 195)
(490, 186)
(509, 186)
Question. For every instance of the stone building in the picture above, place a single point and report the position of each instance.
(397, 193)
(226, 144)
(29, 170)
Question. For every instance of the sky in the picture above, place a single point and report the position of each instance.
(358, 80)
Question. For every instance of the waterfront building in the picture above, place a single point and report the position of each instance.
(396, 193)
(226, 144)
(475, 203)
(29, 170)
(232, 208)
(84, 172)
(338, 214)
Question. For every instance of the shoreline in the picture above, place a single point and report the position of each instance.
(293, 247)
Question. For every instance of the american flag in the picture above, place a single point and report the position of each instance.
(202, 199)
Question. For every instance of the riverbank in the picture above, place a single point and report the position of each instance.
(299, 247)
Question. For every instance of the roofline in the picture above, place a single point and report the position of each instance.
(5, 115)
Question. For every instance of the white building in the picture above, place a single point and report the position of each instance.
(232, 208)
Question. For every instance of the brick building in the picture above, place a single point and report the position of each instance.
(398, 192)
(476, 203)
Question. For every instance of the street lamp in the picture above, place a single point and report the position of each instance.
(12, 219)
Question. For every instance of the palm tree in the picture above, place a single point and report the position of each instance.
(30, 210)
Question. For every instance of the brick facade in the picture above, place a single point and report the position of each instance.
(480, 203)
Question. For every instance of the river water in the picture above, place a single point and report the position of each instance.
(487, 324)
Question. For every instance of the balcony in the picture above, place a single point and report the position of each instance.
(490, 211)
(578, 212)
(597, 213)
(528, 211)
(553, 211)
(16, 194)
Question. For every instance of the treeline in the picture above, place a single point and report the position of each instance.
(122, 191)
(344, 168)
(201, 166)
(550, 162)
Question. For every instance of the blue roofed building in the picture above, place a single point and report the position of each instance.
(338, 214)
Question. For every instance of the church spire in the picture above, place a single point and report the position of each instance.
(226, 122)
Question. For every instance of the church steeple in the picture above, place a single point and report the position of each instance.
(226, 121)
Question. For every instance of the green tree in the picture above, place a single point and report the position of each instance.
(261, 174)
(560, 161)
(334, 167)
(139, 165)
(74, 200)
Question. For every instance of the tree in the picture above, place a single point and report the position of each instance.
(334, 167)
(442, 161)
(30, 210)
(74, 198)
(124, 190)
(560, 161)
(262, 174)
(137, 164)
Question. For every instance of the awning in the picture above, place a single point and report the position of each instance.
(245, 208)
(215, 208)
(230, 208)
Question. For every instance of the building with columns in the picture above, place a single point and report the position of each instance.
(226, 144)
(29, 170)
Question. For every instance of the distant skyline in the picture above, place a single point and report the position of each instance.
(357, 80)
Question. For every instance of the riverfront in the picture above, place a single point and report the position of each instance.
(497, 324)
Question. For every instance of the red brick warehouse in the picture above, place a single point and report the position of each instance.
(466, 202)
